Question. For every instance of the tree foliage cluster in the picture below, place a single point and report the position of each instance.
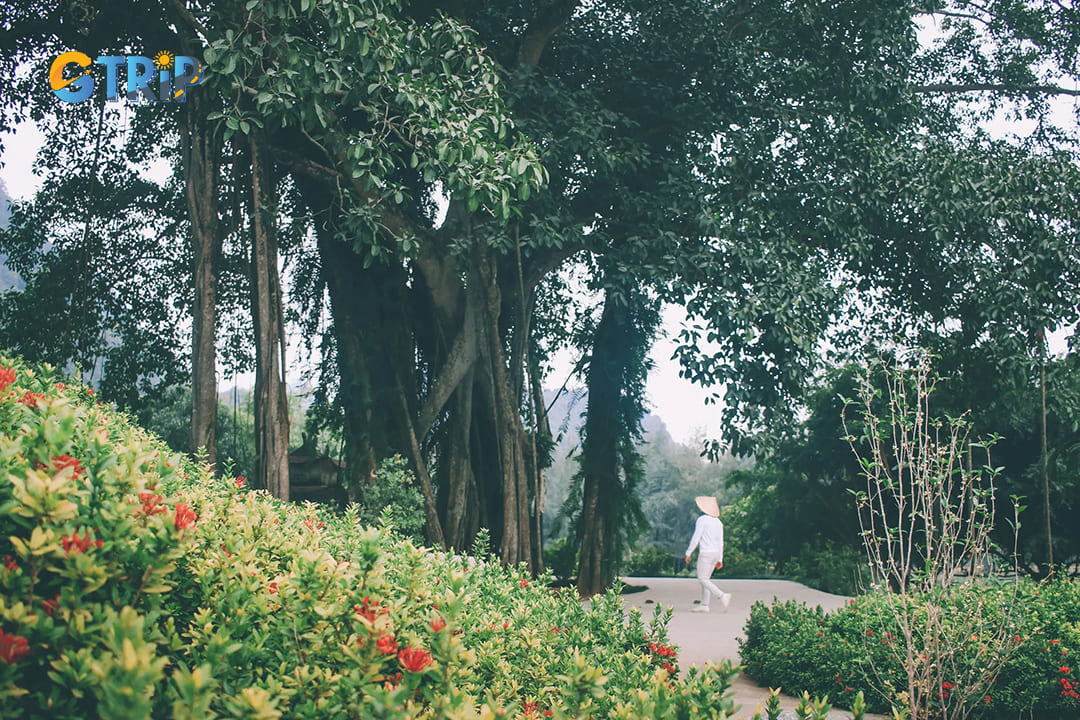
(421, 189)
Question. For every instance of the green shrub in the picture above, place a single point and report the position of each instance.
(848, 650)
(90, 545)
(831, 568)
(135, 585)
(393, 495)
(560, 558)
(651, 561)
(742, 561)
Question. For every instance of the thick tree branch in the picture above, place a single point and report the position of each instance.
(431, 515)
(459, 361)
(188, 19)
(394, 222)
(540, 30)
(994, 87)
(312, 169)
(540, 264)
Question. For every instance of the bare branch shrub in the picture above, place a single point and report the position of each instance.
(926, 518)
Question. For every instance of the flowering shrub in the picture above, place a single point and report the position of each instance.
(89, 548)
(844, 652)
(136, 585)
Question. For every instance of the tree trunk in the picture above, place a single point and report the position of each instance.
(611, 466)
(600, 454)
(459, 470)
(345, 278)
(271, 402)
(516, 541)
(202, 161)
(541, 459)
(1045, 456)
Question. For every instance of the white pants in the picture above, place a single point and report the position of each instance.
(706, 563)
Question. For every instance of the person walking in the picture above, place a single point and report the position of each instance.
(709, 540)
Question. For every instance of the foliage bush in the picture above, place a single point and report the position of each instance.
(137, 585)
(651, 561)
(560, 558)
(844, 652)
(393, 496)
(831, 568)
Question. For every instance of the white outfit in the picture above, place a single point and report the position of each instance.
(709, 537)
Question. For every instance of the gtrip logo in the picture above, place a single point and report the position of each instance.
(175, 75)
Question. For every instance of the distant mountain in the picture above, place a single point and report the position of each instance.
(5, 205)
(9, 279)
(567, 415)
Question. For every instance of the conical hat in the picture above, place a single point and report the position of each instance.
(708, 505)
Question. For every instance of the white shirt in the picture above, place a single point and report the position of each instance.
(709, 533)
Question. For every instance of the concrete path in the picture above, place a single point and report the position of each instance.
(713, 636)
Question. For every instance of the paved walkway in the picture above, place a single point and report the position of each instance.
(712, 636)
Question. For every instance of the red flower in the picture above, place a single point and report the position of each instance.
(49, 606)
(414, 659)
(393, 682)
(311, 524)
(13, 648)
(7, 376)
(371, 609)
(241, 481)
(184, 517)
(31, 399)
(523, 583)
(9, 563)
(273, 588)
(1065, 670)
(438, 624)
(66, 461)
(662, 650)
(74, 545)
(151, 504)
(386, 644)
